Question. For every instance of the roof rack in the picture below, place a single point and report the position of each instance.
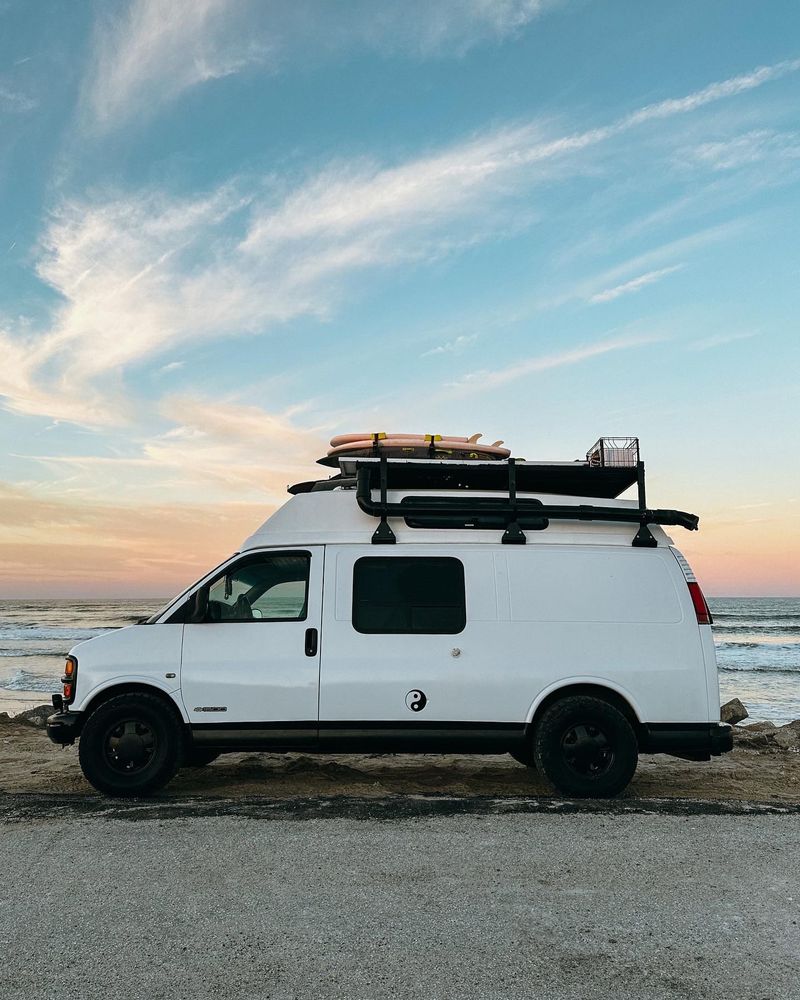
(508, 511)
(612, 465)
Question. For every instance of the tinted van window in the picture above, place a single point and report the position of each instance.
(409, 594)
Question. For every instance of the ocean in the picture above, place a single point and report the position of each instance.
(757, 640)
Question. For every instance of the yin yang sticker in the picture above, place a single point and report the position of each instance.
(416, 700)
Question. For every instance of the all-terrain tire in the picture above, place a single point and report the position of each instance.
(192, 757)
(585, 747)
(130, 745)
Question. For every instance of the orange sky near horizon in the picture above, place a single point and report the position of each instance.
(58, 547)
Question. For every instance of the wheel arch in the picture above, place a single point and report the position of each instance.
(112, 690)
(612, 693)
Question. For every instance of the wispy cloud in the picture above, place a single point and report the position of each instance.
(172, 366)
(635, 284)
(744, 150)
(721, 339)
(209, 446)
(139, 274)
(15, 101)
(485, 380)
(154, 51)
(452, 346)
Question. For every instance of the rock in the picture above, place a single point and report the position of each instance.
(733, 711)
(757, 727)
(35, 716)
(788, 736)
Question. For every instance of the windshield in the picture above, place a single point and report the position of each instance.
(175, 600)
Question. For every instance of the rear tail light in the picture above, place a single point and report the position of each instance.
(700, 605)
(68, 680)
(699, 602)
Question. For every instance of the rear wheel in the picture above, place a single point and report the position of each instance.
(586, 747)
(130, 745)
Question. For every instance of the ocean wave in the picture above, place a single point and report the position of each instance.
(775, 648)
(27, 632)
(759, 628)
(41, 651)
(758, 668)
(757, 615)
(24, 680)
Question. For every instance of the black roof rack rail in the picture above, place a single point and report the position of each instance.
(510, 512)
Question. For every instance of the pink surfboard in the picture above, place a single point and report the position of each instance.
(412, 446)
(341, 439)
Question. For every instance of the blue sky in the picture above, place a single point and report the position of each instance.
(233, 228)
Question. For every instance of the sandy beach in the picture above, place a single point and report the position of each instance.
(763, 767)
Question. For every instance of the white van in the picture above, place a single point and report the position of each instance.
(421, 606)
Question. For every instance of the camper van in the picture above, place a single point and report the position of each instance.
(429, 597)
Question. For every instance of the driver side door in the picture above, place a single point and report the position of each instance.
(250, 669)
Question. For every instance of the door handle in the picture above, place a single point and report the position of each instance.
(311, 641)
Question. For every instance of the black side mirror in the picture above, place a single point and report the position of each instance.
(197, 609)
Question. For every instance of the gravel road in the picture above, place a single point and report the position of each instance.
(540, 901)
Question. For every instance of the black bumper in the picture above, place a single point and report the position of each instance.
(64, 727)
(691, 740)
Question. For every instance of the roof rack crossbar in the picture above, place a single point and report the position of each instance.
(507, 508)
(513, 535)
(383, 534)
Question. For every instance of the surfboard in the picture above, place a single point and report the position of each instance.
(396, 445)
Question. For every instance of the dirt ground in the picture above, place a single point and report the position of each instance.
(758, 769)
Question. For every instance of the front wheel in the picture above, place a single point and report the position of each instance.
(586, 747)
(130, 745)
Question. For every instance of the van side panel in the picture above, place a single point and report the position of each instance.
(539, 616)
(621, 616)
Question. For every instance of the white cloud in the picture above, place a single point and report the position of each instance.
(452, 346)
(483, 380)
(207, 453)
(721, 339)
(142, 274)
(713, 92)
(744, 150)
(635, 284)
(173, 366)
(158, 49)
(14, 101)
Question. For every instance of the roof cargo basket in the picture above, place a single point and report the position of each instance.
(614, 452)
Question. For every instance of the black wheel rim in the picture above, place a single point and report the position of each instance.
(587, 750)
(129, 746)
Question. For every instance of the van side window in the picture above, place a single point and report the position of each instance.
(409, 594)
(262, 588)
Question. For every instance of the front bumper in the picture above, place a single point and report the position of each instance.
(691, 740)
(64, 727)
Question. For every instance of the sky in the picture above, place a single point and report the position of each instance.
(230, 229)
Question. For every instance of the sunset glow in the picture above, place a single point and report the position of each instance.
(224, 244)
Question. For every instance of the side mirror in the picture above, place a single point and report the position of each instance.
(198, 607)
